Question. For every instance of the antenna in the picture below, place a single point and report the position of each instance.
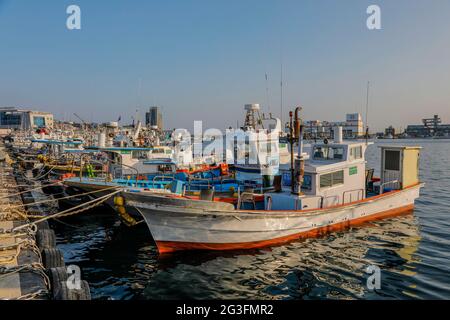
(367, 110)
(267, 93)
(281, 92)
(139, 92)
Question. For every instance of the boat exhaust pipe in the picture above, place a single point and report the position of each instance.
(300, 161)
(298, 164)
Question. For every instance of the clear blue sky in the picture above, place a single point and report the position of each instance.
(204, 59)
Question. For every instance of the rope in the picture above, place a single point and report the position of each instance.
(19, 193)
(68, 197)
(23, 244)
(71, 211)
(31, 231)
(40, 177)
(33, 267)
(31, 296)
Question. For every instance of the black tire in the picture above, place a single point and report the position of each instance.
(52, 258)
(74, 294)
(56, 276)
(45, 239)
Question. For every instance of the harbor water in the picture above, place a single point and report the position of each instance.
(412, 252)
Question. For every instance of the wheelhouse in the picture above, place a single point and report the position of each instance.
(334, 174)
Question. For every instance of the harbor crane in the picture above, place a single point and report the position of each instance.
(85, 125)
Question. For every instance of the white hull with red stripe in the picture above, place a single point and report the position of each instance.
(186, 226)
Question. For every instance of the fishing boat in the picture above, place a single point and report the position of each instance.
(330, 189)
(150, 170)
(269, 150)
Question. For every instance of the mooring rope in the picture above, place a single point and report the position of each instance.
(63, 198)
(22, 192)
(87, 205)
(36, 267)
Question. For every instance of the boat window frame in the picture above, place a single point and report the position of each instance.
(307, 187)
(332, 179)
(327, 158)
(356, 155)
(143, 154)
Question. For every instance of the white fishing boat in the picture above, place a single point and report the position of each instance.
(259, 151)
(331, 190)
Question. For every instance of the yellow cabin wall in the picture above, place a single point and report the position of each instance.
(410, 167)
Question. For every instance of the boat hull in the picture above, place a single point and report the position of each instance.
(184, 228)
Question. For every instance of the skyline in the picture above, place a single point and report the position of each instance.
(194, 56)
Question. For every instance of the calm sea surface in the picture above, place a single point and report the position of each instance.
(413, 253)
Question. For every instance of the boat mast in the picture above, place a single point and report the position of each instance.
(291, 142)
(267, 93)
(367, 111)
(281, 93)
(298, 132)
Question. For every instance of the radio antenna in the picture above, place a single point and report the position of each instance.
(281, 92)
(367, 111)
(267, 93)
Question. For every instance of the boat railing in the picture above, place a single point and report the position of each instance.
(326, 198)
(313, 197)
(121, 172)
(263, 190)
(208, 185)
(297, 202)
(243, 197)
(382, 186)
(360, 192)
(269, 203)
(161, 178)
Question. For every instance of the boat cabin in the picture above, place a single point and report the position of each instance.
(399, 167)
(336, 174)
(333, 174)
(139, 161)
(58, 147)
(256, 153)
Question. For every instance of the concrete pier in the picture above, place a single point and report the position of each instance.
(22, 274)
(31, 266)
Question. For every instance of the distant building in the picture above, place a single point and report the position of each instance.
(352, 127)
(14, 118)
(389, 132)
(154, 117)
(431, 127)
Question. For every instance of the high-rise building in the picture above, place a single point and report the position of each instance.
(153, 117)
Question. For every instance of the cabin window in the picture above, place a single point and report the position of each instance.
(332, 179)
(356, 153)
(139, 154)
(306, 185)
(117, 159)
(165, 168)
(328, 153)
